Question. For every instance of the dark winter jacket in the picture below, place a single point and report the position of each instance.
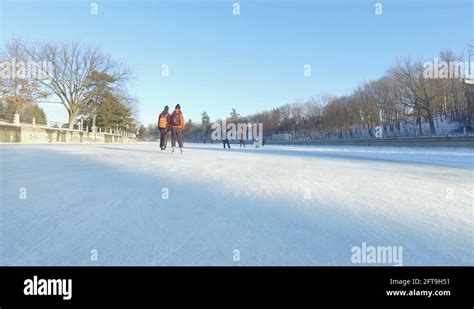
(180, 116)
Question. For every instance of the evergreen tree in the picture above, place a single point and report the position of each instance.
(31, 111)
(113, 114)
(234, 115)
(143, 133)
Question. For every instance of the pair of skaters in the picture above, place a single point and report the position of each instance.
(256, 141)
(242, 143)
(174, 123)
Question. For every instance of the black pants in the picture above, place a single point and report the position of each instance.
(177, 135)
(163, 138)
(226, 141)
(242, 143)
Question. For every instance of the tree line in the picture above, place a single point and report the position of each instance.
(404, 102)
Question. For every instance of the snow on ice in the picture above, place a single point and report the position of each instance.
(115, 204)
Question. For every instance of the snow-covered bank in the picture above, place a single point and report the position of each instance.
(277, 206)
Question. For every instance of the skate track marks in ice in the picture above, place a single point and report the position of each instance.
(280, 205)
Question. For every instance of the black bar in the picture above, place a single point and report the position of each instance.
(238, 285)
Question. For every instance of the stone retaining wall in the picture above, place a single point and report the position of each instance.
(30, 134)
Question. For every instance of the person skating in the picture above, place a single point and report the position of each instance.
(177, 127)
(226, 141)
(164, 127)
(256, 142)
(241, 133)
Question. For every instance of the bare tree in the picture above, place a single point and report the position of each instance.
(19, 89)
(73, 66)
(419, 90)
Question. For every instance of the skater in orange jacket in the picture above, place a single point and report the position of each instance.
(177, 126)
(164, 127)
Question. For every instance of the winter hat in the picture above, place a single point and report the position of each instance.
(167, 108)
(177, 106)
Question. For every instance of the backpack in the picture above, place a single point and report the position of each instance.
(163, 123)
(176, 119)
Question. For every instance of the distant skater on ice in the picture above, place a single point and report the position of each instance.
(242, 133)
(226, 141)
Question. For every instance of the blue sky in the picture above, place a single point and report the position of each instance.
(253, 61)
